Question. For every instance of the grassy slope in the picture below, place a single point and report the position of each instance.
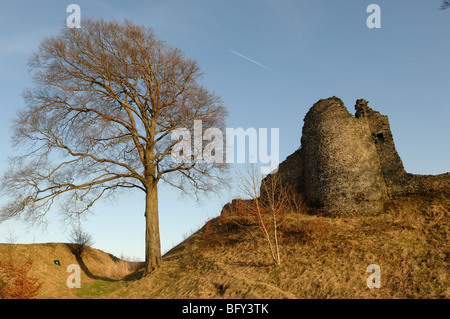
(99, 269)
(321, 258)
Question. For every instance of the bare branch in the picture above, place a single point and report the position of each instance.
(99, 118)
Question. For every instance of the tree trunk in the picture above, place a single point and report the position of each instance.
(152, 239)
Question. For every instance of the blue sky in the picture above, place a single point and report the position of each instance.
(309, 49)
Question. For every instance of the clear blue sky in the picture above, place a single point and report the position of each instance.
(309, 50)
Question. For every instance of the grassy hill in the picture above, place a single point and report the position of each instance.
(98, 269)
(321, 257)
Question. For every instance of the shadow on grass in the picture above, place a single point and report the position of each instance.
(77, 252)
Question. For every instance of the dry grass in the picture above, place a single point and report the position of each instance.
(321, 257)
(96, 265)
(120, 269)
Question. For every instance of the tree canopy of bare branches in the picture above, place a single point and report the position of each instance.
(445, 4)
(99, 118)
(79, 240)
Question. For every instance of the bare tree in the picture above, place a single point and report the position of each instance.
(99, 119)
(269, 203)
(79, 240)
(445, 4)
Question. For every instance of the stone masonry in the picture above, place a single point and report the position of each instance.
(348, 165)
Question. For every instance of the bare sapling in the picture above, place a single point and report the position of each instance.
(269, 205)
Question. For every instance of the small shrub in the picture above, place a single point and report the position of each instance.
(79, 241)
(15, 282)
(216, 232)
(207, 231)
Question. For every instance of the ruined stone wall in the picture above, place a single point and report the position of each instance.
(348, 165)
(391, 163)
(341, 168)
(398, 181)
(291, 171)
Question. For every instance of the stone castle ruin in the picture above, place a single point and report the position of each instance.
(348, 165)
